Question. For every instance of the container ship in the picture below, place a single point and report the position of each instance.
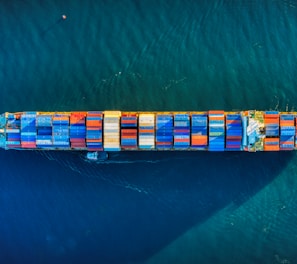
(96, 131)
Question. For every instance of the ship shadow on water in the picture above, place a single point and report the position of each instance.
(128, 208)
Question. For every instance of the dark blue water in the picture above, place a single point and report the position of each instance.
(148, 207)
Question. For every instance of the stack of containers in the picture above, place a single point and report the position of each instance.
(146, 130)
(13, 132)
(94, 131)
(199, 131)
(77, 130)
(271, 144)
(44, 131)
(129, 131)
(164, 131)
(28, 130)
(271, 120)
(287, 132)
(60, 126)
(112, 130)
(181, 131)
(216, 130)
(233, 131)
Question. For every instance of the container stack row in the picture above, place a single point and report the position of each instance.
(13, 131)
(112, 131)
(271, 144)
(129, 131)
(44, 131)
(216, 131)
(199, 131)
(60, 126)
(287, 132)
(164, 131)
(28, 130)
(77, 130)
(94, 131)
(271, 120)
(181, 131)
(233, 131)
(146, 129)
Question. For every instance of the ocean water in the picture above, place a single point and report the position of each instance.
(159, 207)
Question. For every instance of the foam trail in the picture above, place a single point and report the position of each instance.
(95, 169)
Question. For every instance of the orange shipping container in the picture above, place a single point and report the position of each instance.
(181, 140)
(199, 142)
(271, 115)
(125, 130)
(94, 128)
(94, 140)
(271, 148)
(286, 122)
(215, 112)
(94, 115)
(216, 118)
(94, 123)
(198, 137)
(28, 145)
(76, 117)
(128, 121)
(271, 118)
(129, 136)
(129, 115)
(146, 130)
(271, 140)
(229, 122)
(79, 113)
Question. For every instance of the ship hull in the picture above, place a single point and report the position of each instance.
(95, 131)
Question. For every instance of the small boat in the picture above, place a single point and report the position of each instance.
(95, 156)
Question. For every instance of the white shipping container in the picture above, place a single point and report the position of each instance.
(13, 130)
(146, 119)
(43, 142)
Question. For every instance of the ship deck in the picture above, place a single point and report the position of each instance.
(214, 130)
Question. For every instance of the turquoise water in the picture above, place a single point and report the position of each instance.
(148, 207)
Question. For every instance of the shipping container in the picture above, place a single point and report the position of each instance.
(234, 132)
(164, 131)
(216, 126)
(129, 134)
(182, 131)
(146, 131)
(111, 132)
(94, 131)
(60, 131)
(199, 131)
(271, 144)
